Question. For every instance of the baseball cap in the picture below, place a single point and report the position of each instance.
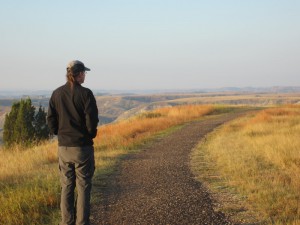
(77, 66)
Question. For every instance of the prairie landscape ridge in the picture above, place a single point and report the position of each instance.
(30, 184)
(118, 105)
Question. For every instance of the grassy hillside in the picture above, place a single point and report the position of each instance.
(113, 108)
(257, 160)
(29, 182)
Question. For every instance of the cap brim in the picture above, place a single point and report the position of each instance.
(87, 69)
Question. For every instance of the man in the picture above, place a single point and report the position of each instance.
(73, 117)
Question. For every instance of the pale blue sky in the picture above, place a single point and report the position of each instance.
(151, 44)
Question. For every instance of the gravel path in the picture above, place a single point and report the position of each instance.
(156, 186)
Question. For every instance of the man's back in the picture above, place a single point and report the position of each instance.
(76, 112)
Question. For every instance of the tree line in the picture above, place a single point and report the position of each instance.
(25, 125)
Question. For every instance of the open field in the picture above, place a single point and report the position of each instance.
(257, 160)
(29, 182)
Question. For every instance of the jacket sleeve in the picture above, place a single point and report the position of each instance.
(91, 115)
(52, 117)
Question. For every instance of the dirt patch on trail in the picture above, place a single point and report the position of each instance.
(156, 186)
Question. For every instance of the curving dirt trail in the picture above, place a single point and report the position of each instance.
(156, 186)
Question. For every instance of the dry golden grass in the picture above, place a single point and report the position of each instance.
(128, 132)
(259, 156)
(16, 160)
(29, 179)
(28, 185)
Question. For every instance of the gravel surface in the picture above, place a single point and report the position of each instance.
(156, 186)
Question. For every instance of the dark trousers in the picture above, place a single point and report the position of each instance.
(77, 167)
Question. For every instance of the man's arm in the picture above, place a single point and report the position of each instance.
(52, 117)
(91, 115)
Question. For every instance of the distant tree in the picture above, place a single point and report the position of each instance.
(23, 126)
(41, 129)
(9, 124)
(24, 130)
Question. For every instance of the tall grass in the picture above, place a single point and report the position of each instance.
(259, 156)
(29, 180)
(28, 185)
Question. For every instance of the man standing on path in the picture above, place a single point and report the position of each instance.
(73, 117)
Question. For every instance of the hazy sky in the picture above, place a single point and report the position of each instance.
(150, 44)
